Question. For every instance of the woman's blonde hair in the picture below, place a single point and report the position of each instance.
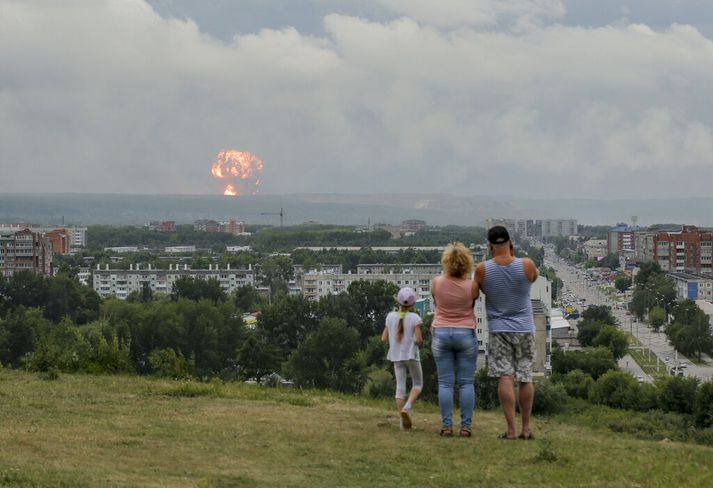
(457, 260)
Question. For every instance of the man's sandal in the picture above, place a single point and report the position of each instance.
(465, 432)
(504, 436)
(526, 437)
(446, 432)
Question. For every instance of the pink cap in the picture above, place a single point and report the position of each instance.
(406, 297)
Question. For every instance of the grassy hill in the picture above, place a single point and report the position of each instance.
(129, 431)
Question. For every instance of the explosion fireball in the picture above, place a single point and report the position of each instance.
(240, 170)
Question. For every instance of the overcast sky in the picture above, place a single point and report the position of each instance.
(539, 98)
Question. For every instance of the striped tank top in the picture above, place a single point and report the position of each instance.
(507, 297)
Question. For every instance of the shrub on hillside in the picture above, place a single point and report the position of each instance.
(615, 389)
(677, 394)
(594, 361)
(577, 383)
(703, 408)
(550, 398)
(168, 364)
(380, 384)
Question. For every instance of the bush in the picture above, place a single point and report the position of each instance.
(577, 383)
(380, 383)
(549, 398)
(677, 394)
(703, 408)
(166, 363)
(615, 389)
(594, 361)
(486, 390)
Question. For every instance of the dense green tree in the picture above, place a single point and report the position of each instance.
(657, 317)
(287, 322)
(329, 358)
(677, 394)
(622, 282)
(600, 313)
(646, 270)
(197, 289)
(613, 339)
(690, 332)
(587, 331)
(594, 361)
(703, 407)
(258, 356)
(248, 299)
(621, 390)
(372, 301)
(19, 331)
(577, 383)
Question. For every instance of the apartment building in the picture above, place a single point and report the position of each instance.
(25, 250)
(120, 283)
(688, 251)
(411, 227)
(621, 238)
(537, 228)
(231, 226)
(76, 235)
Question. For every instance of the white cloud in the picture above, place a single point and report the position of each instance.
(460, 13)
(109, 96)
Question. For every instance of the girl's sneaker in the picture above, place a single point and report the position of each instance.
(406, 419)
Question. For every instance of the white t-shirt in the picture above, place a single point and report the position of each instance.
(407, 348)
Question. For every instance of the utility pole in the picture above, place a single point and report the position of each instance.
(281, 213)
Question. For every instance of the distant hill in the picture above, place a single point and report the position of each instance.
(435, 209)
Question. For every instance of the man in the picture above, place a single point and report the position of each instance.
(506, 281)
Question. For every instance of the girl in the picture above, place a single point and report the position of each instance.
(403, 334)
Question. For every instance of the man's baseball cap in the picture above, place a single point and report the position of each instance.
(406, 297)
(498, 235)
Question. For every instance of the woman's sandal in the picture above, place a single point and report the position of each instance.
(446, 432)
(465, 432)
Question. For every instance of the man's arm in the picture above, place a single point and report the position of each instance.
(530, 269)
(480, 276)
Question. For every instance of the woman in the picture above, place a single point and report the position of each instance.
(454, 345)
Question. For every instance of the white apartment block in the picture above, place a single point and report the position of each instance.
(692, 287)
(120, 283)
(537, 228)
(318, 284)
(179, 249)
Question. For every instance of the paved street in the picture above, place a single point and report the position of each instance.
(583, 289)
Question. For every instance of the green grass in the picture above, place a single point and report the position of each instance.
(646, 360)
(90, 431)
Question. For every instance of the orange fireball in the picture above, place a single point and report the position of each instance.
(240, 171)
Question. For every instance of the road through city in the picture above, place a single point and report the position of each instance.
(584, 291)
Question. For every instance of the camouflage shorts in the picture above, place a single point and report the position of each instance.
(511, 354)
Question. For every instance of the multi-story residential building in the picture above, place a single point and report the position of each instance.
(690, 250)
(537, 228)
(621, 238)
(692, 287)
(162, 226)
(318, 284)
(412, 226)
(231, 226)
(25, 250)
(77, 235)
(595, 248)
(644, 245)
(60, 241)
(121, 282)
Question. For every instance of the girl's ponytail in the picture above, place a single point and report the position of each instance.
(400, 331)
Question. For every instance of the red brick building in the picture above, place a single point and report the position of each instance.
(60, 240)
(689, 250)
(25, 251)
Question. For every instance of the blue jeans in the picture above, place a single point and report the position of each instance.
(455, 348)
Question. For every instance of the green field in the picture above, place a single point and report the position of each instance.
(130, 431)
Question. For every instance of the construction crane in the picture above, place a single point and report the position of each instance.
(281, 213)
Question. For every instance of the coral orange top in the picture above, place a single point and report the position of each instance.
(454, 303)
